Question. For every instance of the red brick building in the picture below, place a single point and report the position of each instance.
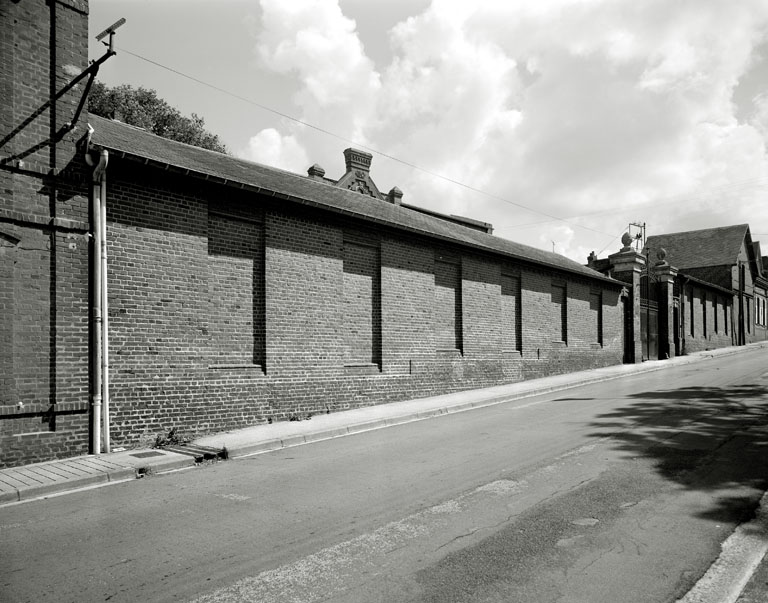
(720, 286)
(239, 293)
(44, 233)
(230, 293)
(691, 291)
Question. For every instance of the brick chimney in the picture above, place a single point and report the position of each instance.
(357, 160)
(316, 172)
(357, 177)
(395, 196)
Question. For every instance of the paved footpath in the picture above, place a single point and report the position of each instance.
(20, 484)
(53, 477)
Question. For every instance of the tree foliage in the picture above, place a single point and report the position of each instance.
(143, 108)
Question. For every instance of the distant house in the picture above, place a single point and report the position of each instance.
(721, 285)
(690, 291)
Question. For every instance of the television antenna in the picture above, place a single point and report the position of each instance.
(110, 31)
(637, 231)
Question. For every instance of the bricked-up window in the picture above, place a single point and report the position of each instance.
(704, 313)
(715, 304)
(596, 315)
(690, 311)
(511, 318)
(560, 312)
(7, 262)
(447, 312)
(236, 290)
(362, 304)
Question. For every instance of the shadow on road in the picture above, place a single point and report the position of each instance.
(709, 439)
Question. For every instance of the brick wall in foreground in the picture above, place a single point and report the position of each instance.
(44, 244)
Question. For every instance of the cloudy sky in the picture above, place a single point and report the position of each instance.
(558, 121)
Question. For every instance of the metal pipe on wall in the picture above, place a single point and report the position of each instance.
(683, 293)
(98, 240)
(104, 309)
(96, 318)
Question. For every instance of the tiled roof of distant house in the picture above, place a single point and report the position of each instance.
(153, 150)
(759, 260)
(700, 248)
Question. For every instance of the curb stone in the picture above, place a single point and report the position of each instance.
(56, 477)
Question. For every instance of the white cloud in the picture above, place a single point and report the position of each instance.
(269, 147)
(315, 43)
(759, 119)
(571, 107)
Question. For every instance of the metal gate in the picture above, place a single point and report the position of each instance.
(629, 331)
(649, 315)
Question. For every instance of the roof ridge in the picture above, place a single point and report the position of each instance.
(218, 154)
(150, 133)
(281, 183)
(689, 232)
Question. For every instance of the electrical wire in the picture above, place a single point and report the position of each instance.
(724, 189)
(362, 146)
(618, 236)
(674, 199)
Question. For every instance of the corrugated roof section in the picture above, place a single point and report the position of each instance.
(136, 142)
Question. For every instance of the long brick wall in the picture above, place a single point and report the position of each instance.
(227, 309)
(708, 319)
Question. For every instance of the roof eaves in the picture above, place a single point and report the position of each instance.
(688, 277)
(167, 166)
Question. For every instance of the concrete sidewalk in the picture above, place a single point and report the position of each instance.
(264, 438)
(54, 477)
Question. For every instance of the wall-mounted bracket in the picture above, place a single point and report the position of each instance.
(91, 71)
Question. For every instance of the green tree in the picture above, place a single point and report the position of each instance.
(143, 108)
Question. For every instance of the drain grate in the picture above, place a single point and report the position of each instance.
(144, 455)
(201, 453)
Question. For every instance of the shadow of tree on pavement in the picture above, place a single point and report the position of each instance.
(708, 439)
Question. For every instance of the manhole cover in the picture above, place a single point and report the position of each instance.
(143, 455)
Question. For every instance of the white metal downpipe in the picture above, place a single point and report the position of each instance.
(99, 261)
(97, 324)
(104, 308)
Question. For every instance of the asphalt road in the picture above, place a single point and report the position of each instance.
(614, 492)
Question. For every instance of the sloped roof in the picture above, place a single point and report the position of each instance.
(153, 150)
(700, 248)
(758, 258)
